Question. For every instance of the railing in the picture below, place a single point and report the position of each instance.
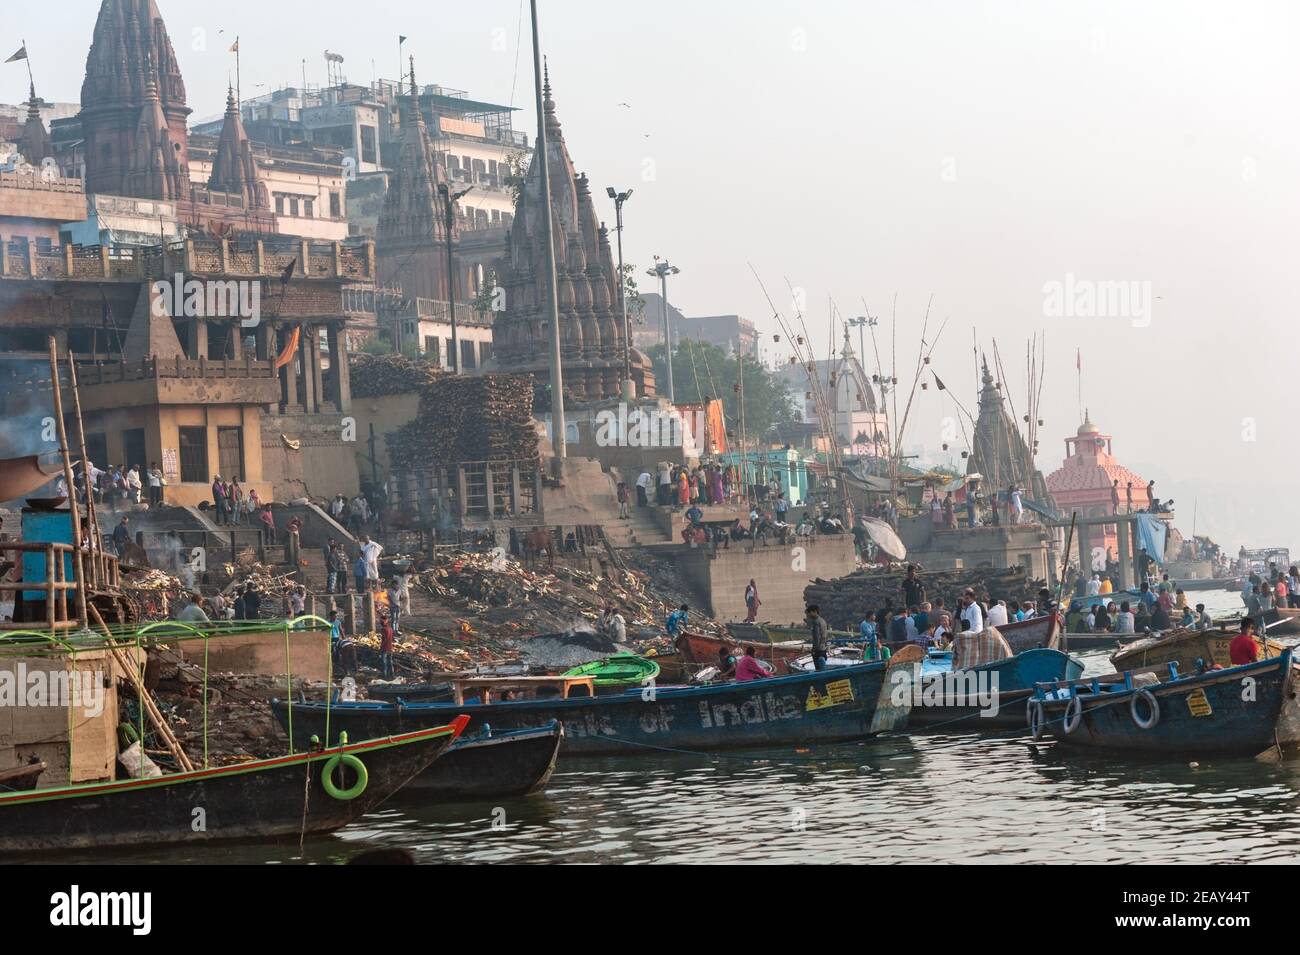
(20, 257)
(147, 369)
(470, 494)
(57, 584)
(39, 182)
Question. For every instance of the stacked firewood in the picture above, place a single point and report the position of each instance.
(374, 376)
(485, 418)
(843, 601)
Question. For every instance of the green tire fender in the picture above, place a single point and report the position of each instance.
(356, 765)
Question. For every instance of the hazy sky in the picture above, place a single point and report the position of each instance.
(976, 152)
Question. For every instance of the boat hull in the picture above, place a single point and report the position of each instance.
(847, 703)
(1032, 634)
(1006, 684)
(1184, 648)
(703, 650)
(262, 800)
(515, 763)
(1232, 712)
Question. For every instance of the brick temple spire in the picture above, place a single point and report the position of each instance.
(133, 109)
(411, 245)
(34, 144)
(233, 168)
(587, 283)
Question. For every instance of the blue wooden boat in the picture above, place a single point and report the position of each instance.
(492, 764)
(844, 704)
(992, 695)
(1244, 710)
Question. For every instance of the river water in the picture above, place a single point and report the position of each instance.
(913, 797)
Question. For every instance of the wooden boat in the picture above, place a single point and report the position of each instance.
(992, 695)
(703, 650)
(1282, 621)
(510, 763)
(21, 778)
(623, 671)
(849, 703)
(266, 799)
(1099, 641)
(1200, 713)
(1034, 633)
(777, 633)
(673, 667)
(1184, 648)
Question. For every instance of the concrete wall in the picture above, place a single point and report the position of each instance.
(42, 731)
(781, 573)
(322, 465)
(162, 444)
(264, 653)
(386, 413)
(1002, 546)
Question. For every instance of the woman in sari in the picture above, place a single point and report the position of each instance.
(683, 488)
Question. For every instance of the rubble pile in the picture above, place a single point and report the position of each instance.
(240, 725)
(486, 418)
(247, 570)
(374, 376)
(504, 594)
(844, 600)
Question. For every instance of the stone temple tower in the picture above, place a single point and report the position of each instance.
(133, 111)
(587, 284)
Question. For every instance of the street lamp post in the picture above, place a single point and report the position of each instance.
(661, 271)
(449, 212)
(620, 198)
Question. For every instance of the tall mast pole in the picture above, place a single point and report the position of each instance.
(558, 437)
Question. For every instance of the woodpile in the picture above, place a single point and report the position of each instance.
(843, 601)
(374, 376)
(485, 418)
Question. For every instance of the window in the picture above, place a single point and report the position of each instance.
(467, 355)
(484, 352)
(336, 206)
(279, 204)
(293, 205)
(309, 208)
(368, 151)
(194, 455)
(432, 349)
(446, 342)
(230, 452)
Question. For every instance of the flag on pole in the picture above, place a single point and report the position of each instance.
(939, 384)
(235, 46)
(1078, 359)
(20, 55)
(400, 39)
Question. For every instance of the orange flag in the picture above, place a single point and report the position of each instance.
(286, 356)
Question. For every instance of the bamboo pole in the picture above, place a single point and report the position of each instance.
(77, 567)
(96, 541)
(147, 704)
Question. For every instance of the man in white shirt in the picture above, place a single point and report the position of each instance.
(1016, 506)
(1094, 586)
(370, 551)
(998, 614)
(1124, 622)
(1090, 624)
(133, 485)
(971, 612)
(643, 485)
